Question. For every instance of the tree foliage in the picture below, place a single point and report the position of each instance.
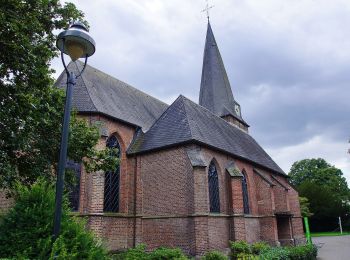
(325, 189)
(26, 230)
(321, 173)
(31, 109)
(305, 207)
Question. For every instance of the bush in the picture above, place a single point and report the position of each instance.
(244, 256)
(26, 229)
(238, 247)
(275, 253)
(162, 253)
(132, 254)
(258, 247)
(304, 252)
(214, 255)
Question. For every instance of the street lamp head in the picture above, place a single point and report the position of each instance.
(76, 42)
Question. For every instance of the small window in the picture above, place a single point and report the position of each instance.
(245, 194)
(213, 183)
(112, 179)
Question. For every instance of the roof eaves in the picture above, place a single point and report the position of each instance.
(195, 141)
(108, 116)
(132, 152)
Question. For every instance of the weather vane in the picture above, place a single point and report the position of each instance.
(207, 8)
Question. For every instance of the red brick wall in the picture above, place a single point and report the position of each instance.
(252, 229)
(236, 199)
(168, 185)
(263, 195)
(238, 231)
(218, 233)
(201, 235)
(170, 232)
(268, 230)
(298, 230)
(116, 229)
(92, 185)
(170, 200)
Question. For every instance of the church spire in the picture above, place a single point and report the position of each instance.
(216, 93)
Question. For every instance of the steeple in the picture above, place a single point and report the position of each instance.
(216, 93)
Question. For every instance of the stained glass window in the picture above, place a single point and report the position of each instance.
(245, 194)
(112, 179)
(213, 183)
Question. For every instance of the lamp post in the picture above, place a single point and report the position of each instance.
(77, 43)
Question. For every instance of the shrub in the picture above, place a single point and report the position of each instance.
(214, 255)
(132, 254)
(26, 229)
(238, 247)
(274, 253)
(244, 256)
(304, 252)
(258, 247)
(162, 253)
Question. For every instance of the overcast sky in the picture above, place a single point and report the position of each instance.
(288, 63)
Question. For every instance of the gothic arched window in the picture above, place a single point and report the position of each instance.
(111, 189)
(245, 194)
(213, 184)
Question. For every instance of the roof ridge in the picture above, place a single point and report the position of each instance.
(87, 89)
(183, 98)
(161, 116)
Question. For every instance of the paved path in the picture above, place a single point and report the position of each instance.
(333, 248)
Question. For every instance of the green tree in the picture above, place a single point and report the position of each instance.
(326, 190)
(320, 172)
(323, 202)
(31, 108)
(26, 229)
(305, 207)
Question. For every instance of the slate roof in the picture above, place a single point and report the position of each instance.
(215, 92)
(186, 122)
(97, 92)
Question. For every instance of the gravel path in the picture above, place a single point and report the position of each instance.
(333, 248)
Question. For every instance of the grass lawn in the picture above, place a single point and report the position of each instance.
(327, 234)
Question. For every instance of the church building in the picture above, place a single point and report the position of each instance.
(190, 174)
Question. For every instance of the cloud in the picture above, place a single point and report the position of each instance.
(288, 63)
(318, 146)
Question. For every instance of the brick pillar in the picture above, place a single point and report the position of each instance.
(201, 210)
(238, 228)
(201, 197)
(138, 202)
(236, 207)
(96, 192)
(268, 230)
(236, 199)
(201, 235)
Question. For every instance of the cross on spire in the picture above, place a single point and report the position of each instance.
(207, 8)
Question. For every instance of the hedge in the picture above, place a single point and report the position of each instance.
(260, 250)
